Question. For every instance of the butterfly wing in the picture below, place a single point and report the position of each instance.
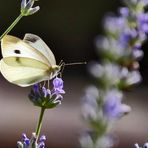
(19, 71)
(26, 62)
(37, 43)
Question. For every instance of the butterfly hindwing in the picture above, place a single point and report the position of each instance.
(23, 74)
(25, 62)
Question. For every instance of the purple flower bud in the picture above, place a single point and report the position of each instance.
(90, 108)
(29, 4)
(127, 36)
(112, 21)
(25, 140)
(24, 136)
(124, 11)
(58, 83)
(27, 7)
(146, 145)
(58, 86)
(136, 145)
(28, 143)
(34, 10)
(23, 4)
(137, 54)
(143, 18)
(145, 2)
(36, 88)
(42, 145)
(44, 90)
(133, 77)
(143, 22)
(42, 138)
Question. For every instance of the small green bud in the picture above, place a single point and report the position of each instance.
(27, 7)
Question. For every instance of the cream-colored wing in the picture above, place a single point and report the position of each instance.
(37, 43)
(15, 47)
(24, 71)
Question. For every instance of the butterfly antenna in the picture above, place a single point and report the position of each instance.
(62, 68)
(76, 63)
(61, 62)
(62, 65)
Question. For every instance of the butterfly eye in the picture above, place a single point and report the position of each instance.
(17, 51)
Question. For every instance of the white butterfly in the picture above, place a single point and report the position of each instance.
(28, 61)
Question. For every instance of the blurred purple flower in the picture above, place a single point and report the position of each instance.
(143, 22)
(113, 108)
(111, 21)
(124, 11)
(90, 107)
(136, 145)
(137, 53)
(86, 140)
(144, 146)
(121, 49)
(126, 37)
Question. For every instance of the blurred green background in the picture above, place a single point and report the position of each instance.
(69, 27)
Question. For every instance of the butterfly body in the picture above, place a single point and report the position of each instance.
(28, 61)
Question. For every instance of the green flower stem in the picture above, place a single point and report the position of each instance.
(39, 125)
(11, 26)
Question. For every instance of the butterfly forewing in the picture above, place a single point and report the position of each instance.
(15, 47)
(37, 43)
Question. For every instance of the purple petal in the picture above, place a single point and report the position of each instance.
(136, 145)
(58, 83)
(42, 138)
(23, 4)
(44, 90)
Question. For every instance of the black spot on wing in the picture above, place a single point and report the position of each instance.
(18, 60)
(17, 51)
(32, 39)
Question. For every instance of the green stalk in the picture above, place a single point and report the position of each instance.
(11, 26)
(39, 124)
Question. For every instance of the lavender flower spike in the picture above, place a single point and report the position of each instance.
(46, 97)
(121, 50)
(27, 7)
(29, 143)
(144, 146)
